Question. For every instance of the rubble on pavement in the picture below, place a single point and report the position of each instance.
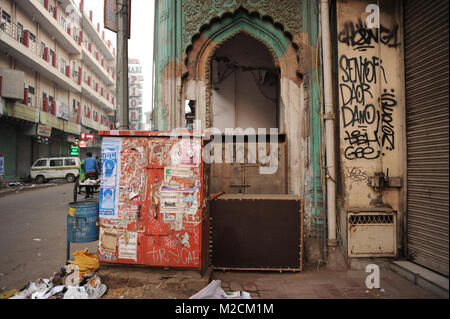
(77, 280)
(215, 291)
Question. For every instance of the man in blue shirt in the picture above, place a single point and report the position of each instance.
(91, 170)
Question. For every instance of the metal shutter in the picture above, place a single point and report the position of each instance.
(426, 67)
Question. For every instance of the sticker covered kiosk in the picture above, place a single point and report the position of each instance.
(152, 200)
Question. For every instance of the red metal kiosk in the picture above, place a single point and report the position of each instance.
(153, 199)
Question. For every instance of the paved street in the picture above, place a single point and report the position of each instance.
(33, 235)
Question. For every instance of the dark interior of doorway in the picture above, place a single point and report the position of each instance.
(245, 94)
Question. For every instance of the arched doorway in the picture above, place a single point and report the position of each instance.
(245, 85)
(250, 36)
(244, 97)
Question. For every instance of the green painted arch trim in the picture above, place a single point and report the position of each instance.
(263, 30)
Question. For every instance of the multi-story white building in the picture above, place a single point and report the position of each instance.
(57, 80)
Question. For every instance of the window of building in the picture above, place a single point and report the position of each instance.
(30, 95)
(63, 23)
(32, 37)
(56, 163)
(42, 49)
(63, 66)
(20, 32)
(6, 17)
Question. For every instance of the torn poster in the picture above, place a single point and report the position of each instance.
(179, 202)
(108, 241)
(110, 178)
(186, 153)
(128, 246)
(170, 202)
(190, 201)
(191, 155)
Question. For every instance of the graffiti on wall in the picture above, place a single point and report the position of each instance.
(361, 38)
(367, 115)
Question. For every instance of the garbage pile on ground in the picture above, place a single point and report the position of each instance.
(77, 280)
(215, 291)
(14, 184)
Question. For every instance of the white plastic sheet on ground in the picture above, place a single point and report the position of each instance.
(37, 288)
(215, 291)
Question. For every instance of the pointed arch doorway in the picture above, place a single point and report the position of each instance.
(245, 97)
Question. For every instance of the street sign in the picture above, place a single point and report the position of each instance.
(44, 130)
(83, 144)
(110, 16)
(74, 150)
(87, 137)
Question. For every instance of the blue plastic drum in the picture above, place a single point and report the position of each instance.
(82, 223)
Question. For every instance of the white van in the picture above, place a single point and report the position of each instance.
(53, 168)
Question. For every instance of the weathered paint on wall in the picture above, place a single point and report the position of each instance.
(315, 214)
(371, 106)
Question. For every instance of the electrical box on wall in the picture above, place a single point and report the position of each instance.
(12, 84)
(372, 233)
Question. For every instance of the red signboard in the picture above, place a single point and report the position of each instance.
(110, 16)
(83, 144)
(87, 137)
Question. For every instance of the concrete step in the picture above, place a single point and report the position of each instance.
(422, 277)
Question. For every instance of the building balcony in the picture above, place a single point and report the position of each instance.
(92, 63)
(95, 97)
(34, 56)
(92, 124)
(50, 23)
(93, 33)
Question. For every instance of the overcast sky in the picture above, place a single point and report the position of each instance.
(140, 46)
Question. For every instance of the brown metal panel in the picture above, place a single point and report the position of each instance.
(257, 234)
(427, 91)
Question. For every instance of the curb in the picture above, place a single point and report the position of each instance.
(25, 189)
(420, 279)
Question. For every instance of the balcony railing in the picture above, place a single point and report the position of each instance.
(98, 57)
(64, 24)
(35, 48)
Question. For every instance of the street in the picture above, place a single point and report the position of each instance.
(33, 235)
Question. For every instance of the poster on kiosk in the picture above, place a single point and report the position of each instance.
(151, 200)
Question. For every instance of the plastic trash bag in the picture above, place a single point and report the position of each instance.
(49, 293)
(85, 261)
(94, 288)
(37, 288)
(215, 291)
(76, 293)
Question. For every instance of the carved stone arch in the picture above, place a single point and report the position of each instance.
(198, 59)
(199, 14)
